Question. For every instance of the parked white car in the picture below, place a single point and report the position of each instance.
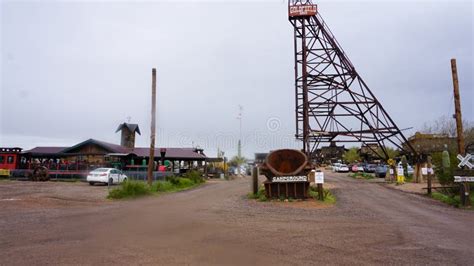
(104, 175)
(335, 167)
(343, 168)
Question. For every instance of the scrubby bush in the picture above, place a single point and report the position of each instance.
(444, 170)
(129, 189)
(132, 189)
(162, 186)
(195, 176)
(451, 200)
(361, 176)
(328, 196)
(173, 180)
(186, 182)
(260, 195)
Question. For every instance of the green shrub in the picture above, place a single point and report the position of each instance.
(361, 176)
(260, 193)
(250, 195)
(454, 201)
(328, 196)
(167, 186)
(132, 189)
(195, 176)
(186, 182)
(173, 180)
(262, 197)
(444, 170)
(129, 189)
(162, 186)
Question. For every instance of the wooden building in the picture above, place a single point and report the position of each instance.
(431, 143)
(96, 153)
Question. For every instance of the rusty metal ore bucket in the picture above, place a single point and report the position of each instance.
(285, 162)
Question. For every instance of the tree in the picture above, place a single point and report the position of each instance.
(391, 152)
(237, 161)
(351, 155)
(446, 125)
(404, 162)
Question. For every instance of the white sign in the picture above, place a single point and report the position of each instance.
(427, 171)
(424, 171)
(391, 171)
(465, 161)
(459, 179)
(400, 171)
(290, 179)
(319, 178)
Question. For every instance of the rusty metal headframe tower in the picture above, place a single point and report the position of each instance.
(333, 103)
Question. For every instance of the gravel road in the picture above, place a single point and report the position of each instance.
(216, 225)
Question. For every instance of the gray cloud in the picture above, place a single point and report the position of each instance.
(72, 71)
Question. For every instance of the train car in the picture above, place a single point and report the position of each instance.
(9, 160)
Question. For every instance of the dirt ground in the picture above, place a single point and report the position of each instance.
(416, 188)
(215, 224)
(33, 195)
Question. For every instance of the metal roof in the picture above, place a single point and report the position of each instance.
(171, 153)
(45, 150)
(113, 148)
(131, 127)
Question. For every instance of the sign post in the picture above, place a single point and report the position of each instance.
(465, 200)
(400, 175)
(319, 180)
(255, 180)
(464, 176)
(429, 171)
(391, 170)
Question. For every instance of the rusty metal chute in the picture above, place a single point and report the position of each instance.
(292, 165)
(285, 162)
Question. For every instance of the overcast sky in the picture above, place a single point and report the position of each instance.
(76, 70)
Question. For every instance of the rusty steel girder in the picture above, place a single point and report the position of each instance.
(333, 103)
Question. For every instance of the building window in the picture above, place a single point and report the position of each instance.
(10, 160)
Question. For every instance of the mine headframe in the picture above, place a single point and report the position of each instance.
(333, 103)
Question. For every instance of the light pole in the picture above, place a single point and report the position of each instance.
(239, 117)
(223, 166)
(239, 144)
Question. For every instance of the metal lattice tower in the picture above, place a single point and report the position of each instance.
(333, 103)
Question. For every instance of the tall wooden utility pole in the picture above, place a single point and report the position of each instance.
(460, 137)
(151, 160)
(457, 107)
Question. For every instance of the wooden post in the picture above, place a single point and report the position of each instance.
(320, 192)
(418, 175)
(429, 166)
(151, 159)
(457, 108)
(465, 199)
(255, 180)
